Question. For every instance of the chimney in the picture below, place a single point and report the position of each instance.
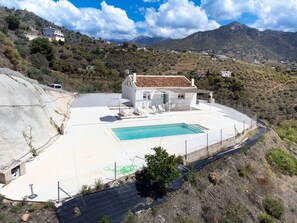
(193, 82)
(134, 77)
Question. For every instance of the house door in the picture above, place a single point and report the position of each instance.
(164, 98)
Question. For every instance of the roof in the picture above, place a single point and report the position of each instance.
(158, 81)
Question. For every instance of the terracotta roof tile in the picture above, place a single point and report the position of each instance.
(161, 81)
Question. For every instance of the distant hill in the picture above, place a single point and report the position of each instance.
(147, 40)
(239, 41)
(140, 40)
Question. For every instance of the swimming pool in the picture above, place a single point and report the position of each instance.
(151, 131)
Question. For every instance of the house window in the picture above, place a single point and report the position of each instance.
(146, 95)
(181, 96)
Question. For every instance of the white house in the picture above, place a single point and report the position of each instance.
(225, 73)
(52, 33)
(172, 92)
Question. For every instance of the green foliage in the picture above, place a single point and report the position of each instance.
(49, 204)
(33, 208)
(105, 219)
(99, 184)
(63, 66)
(39, 60)
(274, 206)
(35, 73)
(242, 172)
(160, 171)
(12, 54)
(283, 161)
(265, 218)
(1, 198)
(42, 46)
(85, 189)
(12, 22)
(287, 130)
(234, 213)
(161, 167)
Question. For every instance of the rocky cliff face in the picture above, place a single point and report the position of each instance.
(30, 115)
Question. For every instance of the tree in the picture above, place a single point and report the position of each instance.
(12, 22)
(43, 46)
(161, 170)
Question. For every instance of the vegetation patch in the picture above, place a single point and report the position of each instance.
(273, 206)
(265, 218)
(234, 213)
(287, 130)
(161, 169)
(283, 161)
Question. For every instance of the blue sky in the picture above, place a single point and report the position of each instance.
(126, 19)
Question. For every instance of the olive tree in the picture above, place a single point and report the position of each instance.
(160, 171)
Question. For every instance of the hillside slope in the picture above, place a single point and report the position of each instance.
(31, 114)
(239, 41)
(245, 180)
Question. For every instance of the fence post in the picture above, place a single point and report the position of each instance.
(207, 143)
(221, 136)
(58, 191)
(186, 150)
(243, 126)
(115, 170)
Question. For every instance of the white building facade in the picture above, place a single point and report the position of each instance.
(171, 92)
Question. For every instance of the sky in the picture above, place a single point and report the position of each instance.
(127, 19)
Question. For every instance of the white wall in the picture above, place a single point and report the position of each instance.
(129, 90)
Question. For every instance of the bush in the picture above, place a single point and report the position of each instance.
(105, 219)
(287, 130)
(273, 206)
(160, 171)
(99, 184)
(234, 213)
(49, 204)
(43, 46)
(12, 22)
(1, 198)
(265, 218)
(39, 60)
(85, 189)
(12, 54)
(283, 161)
(35, 73)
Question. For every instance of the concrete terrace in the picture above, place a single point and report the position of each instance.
(89, 148)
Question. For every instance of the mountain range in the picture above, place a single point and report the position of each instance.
(240, 41)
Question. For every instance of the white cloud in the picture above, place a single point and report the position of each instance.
(276, 15)
(107, 22)
(226, 9)
(271, 14)
(175, 19)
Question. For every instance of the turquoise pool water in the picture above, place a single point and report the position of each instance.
(151, 131)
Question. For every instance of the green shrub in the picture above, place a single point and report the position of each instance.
(33, 208)
(49, 204)
(265, 218)
(99, 184)
(242, 172)
(160, 171)
(287, 130)
(234, 213)
(1, 198)
(85, 189)
(12, 22)
(283, 161)
(105, 219)
(273, 206)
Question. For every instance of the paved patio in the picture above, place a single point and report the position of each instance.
(89, 148)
